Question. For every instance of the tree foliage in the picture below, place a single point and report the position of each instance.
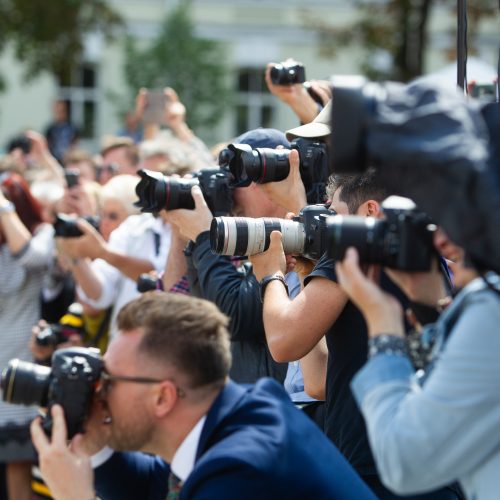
(398, 30)
(177, 58)
(48, 35)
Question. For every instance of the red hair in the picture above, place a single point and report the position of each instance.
(29, 210)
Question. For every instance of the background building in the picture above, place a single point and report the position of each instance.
(253, 33)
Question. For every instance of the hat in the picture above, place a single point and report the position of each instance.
(319, 127)
(263, 138)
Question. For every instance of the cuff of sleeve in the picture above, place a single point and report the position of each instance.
(22, 252)
(101, 457)
(378, 370)
(201, 246)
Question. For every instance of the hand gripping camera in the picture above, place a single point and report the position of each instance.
(70, 383)
(157, 191)
(304, 235)
(288, 73)
(403, 240)
(264, 165)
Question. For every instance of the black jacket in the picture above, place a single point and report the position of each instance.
(236, 291)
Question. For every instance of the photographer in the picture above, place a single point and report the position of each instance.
(169, 365)
(233, 289)
(26, 252)
(442, 425)
(293, 328)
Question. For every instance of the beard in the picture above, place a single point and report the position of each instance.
(131, 433)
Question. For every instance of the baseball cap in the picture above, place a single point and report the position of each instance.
(263, 138)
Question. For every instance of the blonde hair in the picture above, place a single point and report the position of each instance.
(122, 189)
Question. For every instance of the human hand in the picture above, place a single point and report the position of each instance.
(322, 89)
(39, 352)
(39, 146)
(423, 287)
(191, 223)
(289, 193)
(382, 312)
(77, 200)
(66, 470)
(175, 111)
(91, 244)
(140, 103)
(296, 96)
(272, 260)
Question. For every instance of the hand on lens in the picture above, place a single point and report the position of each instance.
(272, 260)
(66, 470)
(382, 312)
(191, 223)
(289, 193)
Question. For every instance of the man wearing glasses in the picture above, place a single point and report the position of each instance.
(165, 391)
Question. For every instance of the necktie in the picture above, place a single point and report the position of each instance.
(174, 486)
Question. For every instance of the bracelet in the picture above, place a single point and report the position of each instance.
(387, 344)
(267, 279)
(7, 208)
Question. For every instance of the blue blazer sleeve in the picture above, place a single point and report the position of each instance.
(129, 476)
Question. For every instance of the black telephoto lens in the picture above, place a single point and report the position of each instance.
(366, 234)
(25, 383)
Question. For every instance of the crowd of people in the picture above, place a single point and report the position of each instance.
(275, 375)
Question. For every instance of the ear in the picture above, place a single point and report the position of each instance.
(165, 398)
(370, 208)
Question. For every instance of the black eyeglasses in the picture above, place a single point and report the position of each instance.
(107, 379)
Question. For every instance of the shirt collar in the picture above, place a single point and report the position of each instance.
(184, 458)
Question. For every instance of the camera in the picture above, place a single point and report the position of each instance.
(288, 73)
(403, 240)
(146, 283)
(429, 143)
(57, 333)
(304, 235)
(157, 192)
(70, 383)
(65, 225)
(262, 165)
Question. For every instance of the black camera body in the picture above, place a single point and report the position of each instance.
(262, 165)
(314, 220)
(157, 192)
(65, 225)
(288, 73)
(403, 240)
(52, 335)
(305, 235)
(70, 382)
(146, 283)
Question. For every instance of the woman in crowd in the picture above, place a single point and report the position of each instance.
(26, 250)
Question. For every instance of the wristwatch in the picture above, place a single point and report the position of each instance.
(7, 208)
(267, 279)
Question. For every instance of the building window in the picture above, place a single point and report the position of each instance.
(83, 98)
(255, 105)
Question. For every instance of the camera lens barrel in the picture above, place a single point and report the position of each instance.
(25, 383)
(366, 234)
(247, 236)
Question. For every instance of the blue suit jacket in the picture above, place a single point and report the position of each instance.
(254, 444)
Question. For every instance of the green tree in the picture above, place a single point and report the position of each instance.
(177, 58)
(48, 35)
(397, 29)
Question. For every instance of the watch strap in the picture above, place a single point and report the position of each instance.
(267, 279)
